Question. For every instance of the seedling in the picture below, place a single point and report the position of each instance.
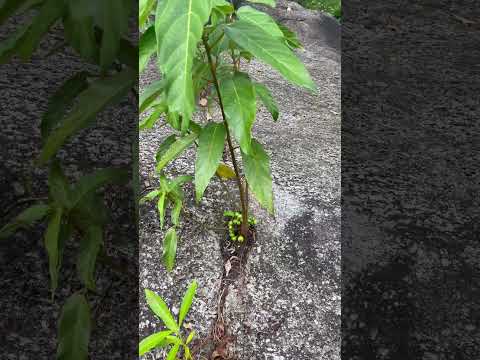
(172, 337)
(200, 47)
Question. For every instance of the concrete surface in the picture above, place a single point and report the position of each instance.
(287, 304)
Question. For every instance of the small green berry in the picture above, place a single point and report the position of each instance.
(240, 238)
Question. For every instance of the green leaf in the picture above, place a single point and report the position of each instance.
(188, 355)
(260, 19)
(61, 101)
(147, 47)
(58, 185)
(225, 172)
(150, 94)
(89, 248)
(187, 302)
(270, 50)
(238, 95)
(91, 182)
(12, 7)
(79, 28)
(136, 177)
(113, 19)
(170, 248)
(271, 3)
(257, 171)
(224, 6)
(9, 46)
(172, 354)
(153, 341)
(177, 208)
(290, 37)
(95, 98)
(49, 13)
(201, 75)
(190, 337)
(175, 149)
(150, 196)
(179, 27)
(51, 245)
(128, 54)
(164, 146)
(89, 210)
(145, 7)
(158, 306)
(74, 329)
(210, 149)
(161, 208)
(173, 340)
(66, 231)
(180, 180)
(150, 121)
(267, 99)
(25, 219)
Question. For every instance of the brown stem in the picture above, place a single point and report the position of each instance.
(244, 226)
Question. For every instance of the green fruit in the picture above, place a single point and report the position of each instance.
(228, 213)
(241, 238)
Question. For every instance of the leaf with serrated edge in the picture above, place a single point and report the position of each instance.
(149, 121)
(150, 196)
(145, 8)
(238, 96)
(258, 174)
(48, 14)
(190, 337)
(265, 95)
(164, 146)
(74, 329)
(147, 47)
(187, 302)
(51, 245)
(175, 149)
(61, 100)
(158, 306)
(270, 50)
(175, 214)
(170, 248)
(26, 218)
(87, 256)
(172, 355)
(150, 94)
(161, 208)
(179, 27)
(113, 27)
(58, 186)
(260, 19)
(153, 341)
(209, 153)
(91, 182)
(95, 98)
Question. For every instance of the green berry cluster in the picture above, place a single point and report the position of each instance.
(234, 224)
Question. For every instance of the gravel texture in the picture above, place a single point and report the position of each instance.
(287, 304)
(410, 204)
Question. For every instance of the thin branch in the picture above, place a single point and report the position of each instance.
(244, 227)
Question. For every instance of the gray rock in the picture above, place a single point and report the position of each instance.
(287, 303)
